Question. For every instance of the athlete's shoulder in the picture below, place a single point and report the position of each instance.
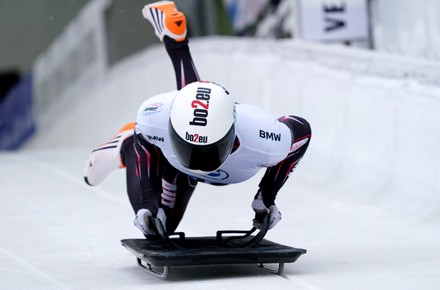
(252, 120)
(153, 115)
(249, 111)
(156, 103)
(260, 132)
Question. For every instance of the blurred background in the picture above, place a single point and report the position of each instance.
(49, 49)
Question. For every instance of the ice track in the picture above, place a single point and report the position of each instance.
(367, 211)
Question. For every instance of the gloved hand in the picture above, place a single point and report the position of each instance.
(260, 210)
(143, 223)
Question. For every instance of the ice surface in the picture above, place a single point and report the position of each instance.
(368, 219)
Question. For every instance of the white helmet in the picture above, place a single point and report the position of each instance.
(201, 125)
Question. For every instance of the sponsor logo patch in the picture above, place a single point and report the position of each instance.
(196, 138)
(155, 138)
(201, 106)
(152, 109)
(270, 136)
(219, 174)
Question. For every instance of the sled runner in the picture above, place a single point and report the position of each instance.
(157, 255)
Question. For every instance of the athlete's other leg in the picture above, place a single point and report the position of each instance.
(183, 64)
(170, 26)
(106, 158)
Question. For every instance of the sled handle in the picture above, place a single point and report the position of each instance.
(243, 241)
(246, 241)
(160, 229)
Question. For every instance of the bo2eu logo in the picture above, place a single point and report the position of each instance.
(196, 138)
(201, 106)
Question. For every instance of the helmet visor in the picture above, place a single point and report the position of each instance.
(202, 157)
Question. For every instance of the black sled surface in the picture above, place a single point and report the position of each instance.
(156, 256)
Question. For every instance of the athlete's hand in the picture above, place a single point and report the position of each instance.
(143, 223)
(261, 210)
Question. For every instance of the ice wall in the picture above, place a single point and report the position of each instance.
(407, 27)
(375, 118)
